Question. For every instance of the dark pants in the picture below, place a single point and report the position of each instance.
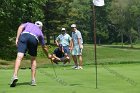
(27, 42)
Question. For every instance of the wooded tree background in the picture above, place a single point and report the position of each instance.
(116, 22)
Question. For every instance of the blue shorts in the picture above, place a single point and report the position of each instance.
(67, 49)
(28, 43)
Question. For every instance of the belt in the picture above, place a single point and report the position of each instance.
(31, 34)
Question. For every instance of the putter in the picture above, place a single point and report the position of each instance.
(54, 69)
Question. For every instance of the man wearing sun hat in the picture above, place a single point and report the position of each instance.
(28, 36)
(77, 47)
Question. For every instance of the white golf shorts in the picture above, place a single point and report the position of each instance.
(77, 50)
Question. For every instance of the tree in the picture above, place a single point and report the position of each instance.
(102, 22)
(133, 14)
(56, 16)
(12, 14)
(80, 14)
(117, 17)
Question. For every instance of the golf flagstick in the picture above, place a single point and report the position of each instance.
(96, 3)
(95, 57)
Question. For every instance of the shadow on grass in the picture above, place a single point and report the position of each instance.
(23, 83)
(74, 84)
(121, 62)
(80, 85)
(121, 47)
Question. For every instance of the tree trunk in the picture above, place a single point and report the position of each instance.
(99, 41)
(54, 38)
(48, 39)
(122, 39)
(131, 41)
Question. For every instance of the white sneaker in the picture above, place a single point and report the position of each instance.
(33, 83)
(74, 67)
(13, 81)
(77, 68)
(80, 67)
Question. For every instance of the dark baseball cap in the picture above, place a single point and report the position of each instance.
(60, 45)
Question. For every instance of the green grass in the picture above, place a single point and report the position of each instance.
(112, 54)
(123, 78)
(118, 72)
(106, 54)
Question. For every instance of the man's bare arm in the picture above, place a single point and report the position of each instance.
(20, 29)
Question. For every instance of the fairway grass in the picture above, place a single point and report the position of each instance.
(120, 78)
(118, 72)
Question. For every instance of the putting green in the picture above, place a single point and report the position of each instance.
(120, 78)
